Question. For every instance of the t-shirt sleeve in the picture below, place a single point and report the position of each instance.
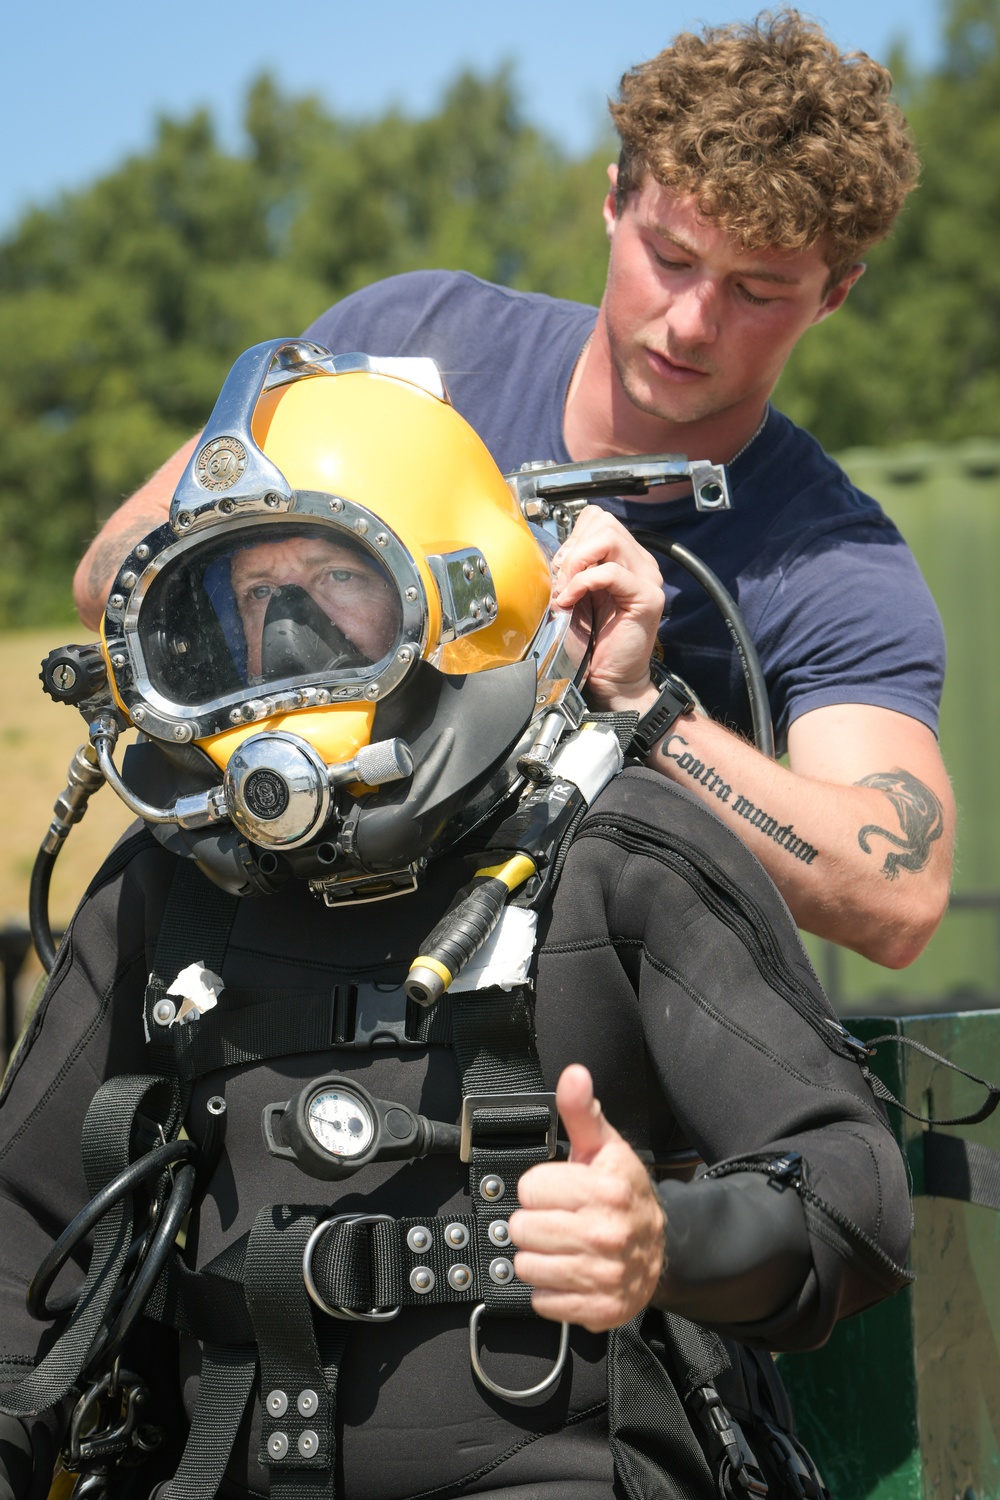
(371, 321)
(851, 620)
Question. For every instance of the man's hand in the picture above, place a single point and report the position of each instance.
(590, 1230)
(602, 565)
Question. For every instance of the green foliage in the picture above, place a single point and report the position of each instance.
(123, 307)
(915, 352)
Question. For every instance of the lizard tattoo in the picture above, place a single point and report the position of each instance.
(920, 815)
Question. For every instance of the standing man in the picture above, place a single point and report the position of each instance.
(758, 165)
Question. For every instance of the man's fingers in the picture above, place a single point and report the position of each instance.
(597, 1227)
(596, 1314)
(557, 1185)
(566, 1273)
(614, 578)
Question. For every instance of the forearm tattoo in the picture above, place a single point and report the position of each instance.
(782, 834)
(920, 815)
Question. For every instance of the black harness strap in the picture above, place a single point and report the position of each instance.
(253, 1026)
(226, 1380)
(961, 1169)
(297, 1436)
(493, 1039)
(197, 913)
(106, 1142)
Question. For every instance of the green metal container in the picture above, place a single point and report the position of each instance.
(903, 1403)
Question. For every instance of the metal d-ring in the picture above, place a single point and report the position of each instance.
(500, 1390)
(374, 1314)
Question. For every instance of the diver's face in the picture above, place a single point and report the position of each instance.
(350, 592)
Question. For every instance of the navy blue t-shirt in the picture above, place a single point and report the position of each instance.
(831, 594)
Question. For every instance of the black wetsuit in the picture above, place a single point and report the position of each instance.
(668, 965)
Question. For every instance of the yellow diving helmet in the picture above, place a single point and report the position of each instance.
(338, 645)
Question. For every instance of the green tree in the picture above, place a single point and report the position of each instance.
(915, 352)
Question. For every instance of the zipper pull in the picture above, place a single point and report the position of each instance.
(785, 1171)
(859, 1050)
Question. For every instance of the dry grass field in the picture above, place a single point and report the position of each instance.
(37, 741)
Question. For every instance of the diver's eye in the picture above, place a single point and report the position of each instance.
(260, 591)
(342, 575)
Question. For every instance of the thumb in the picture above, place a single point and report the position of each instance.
(581, 1113)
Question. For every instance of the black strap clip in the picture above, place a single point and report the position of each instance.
(739, 1470)
(105, 1421)
(801, 1475)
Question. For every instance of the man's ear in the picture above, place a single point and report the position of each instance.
(837, 295)
(609, 203)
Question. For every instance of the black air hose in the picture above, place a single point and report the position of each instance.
(760, 708)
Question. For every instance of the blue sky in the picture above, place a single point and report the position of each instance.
(83, 83)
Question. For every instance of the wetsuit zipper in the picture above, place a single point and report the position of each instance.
(787, 1170)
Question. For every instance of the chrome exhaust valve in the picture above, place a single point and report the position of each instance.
(276, 788)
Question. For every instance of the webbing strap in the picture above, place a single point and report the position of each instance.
(297, 1433)
(226, 1380)
(881, 1091)
(492, 1032)
(623, 722)
(966, 1170)
(493, 1037)
(197, 912)
(254, 1026)
(107, 1131)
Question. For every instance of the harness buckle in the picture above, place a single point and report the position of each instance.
(374, 1314)
(500, 1390)
(728, 1443)
(472, 1102)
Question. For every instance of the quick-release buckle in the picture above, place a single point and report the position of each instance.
(728, 1441)
(472, 1102)
(374, 1314)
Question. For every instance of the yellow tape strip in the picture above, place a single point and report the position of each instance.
(513, 872)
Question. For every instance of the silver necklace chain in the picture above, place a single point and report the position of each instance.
(753, 437)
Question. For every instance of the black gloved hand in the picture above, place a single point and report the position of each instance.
(15, 1459)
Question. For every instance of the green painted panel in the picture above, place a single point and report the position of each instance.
(946, 502)
(903, 1403)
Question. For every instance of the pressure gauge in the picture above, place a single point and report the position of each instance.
(334, 1127)
(341, 1121)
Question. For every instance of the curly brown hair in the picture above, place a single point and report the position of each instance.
(784, 140)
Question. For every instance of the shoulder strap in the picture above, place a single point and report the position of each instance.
(107, 1136)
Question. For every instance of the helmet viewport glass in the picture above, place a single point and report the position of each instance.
(278, 604)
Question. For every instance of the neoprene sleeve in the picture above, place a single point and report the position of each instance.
(737, 1249)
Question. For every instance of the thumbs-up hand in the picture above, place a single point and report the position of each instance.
(590, 1231)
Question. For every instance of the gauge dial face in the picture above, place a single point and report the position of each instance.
(340, 1122)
